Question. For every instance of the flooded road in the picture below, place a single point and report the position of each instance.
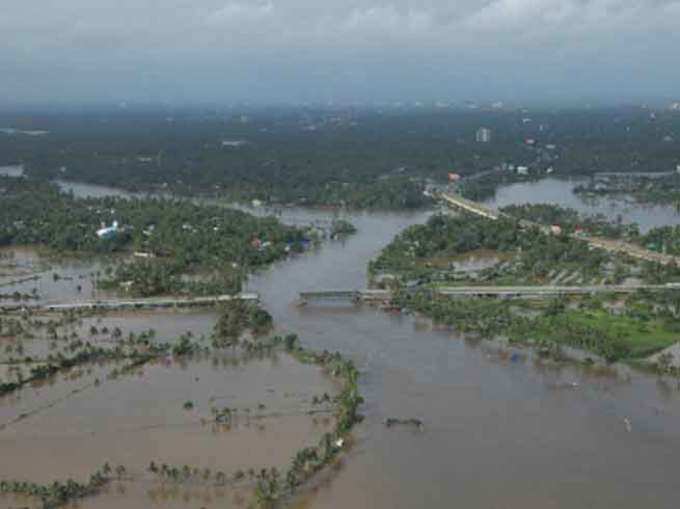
(500, 431)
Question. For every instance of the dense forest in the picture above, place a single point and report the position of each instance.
(535, 254)
(172, 239)
(371, 158)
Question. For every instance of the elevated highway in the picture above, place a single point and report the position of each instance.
(611, 245)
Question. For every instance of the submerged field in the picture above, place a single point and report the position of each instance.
(173, 408)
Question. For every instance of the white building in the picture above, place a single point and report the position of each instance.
(107, 232)
(483, 135)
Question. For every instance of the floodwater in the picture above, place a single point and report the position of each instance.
(102, 329)
(70, 427)
(560, 192)
(500, 431)
(26, 271)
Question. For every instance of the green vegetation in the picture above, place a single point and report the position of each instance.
(310, 460)
(380, 158)
(235, 318)
(59, 494)
(182, 247)
(530, 256)
(341, 227)
(590, 326)
(665, 239)
(570, 221)
(645, 324)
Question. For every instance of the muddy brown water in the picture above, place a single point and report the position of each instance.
(500, 431)
(29, 271)
(71, 425)
(167, 325)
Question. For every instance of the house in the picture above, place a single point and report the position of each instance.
(522, 170)
(108, 232)
(556, 229)
(454, 177)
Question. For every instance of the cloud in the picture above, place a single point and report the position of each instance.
(70, 38)
(239, 12)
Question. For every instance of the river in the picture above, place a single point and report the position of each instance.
(499, 431)
(560, 192)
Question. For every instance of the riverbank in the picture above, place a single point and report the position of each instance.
(525, 425)
(633, 328)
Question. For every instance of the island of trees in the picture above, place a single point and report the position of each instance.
(425, 257)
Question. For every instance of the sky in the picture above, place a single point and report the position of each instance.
(340, 51)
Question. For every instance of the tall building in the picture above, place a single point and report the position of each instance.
(483, 135)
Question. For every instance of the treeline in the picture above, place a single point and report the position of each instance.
(535, 255)
(180, 245)
(368, 159)
(571, 221)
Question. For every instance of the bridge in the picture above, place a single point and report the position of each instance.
(535, 291)
(611, 245)
(357, 296)
(459, 202)
(116, 304)
(545, 291)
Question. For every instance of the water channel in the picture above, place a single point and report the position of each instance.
(501, 431)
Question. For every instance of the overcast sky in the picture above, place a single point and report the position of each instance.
(185, 51)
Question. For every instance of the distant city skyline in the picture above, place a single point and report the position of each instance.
(338, 51)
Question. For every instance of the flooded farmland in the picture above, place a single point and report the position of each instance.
(499, 430)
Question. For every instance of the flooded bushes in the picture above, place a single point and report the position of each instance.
(59, 493)
(235, 318)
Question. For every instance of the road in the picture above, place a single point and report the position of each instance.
(160, 302)
(615, 246)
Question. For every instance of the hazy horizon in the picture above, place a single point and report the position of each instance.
(261, 52)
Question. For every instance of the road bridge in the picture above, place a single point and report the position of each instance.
(365, 295)
(118, 304)
(529, 291)
(459, 202)
(611, 245)
(545, 291)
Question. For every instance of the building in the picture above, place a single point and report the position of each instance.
(108, 232)
(454, 177)
(522, 170)
(483, 135)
